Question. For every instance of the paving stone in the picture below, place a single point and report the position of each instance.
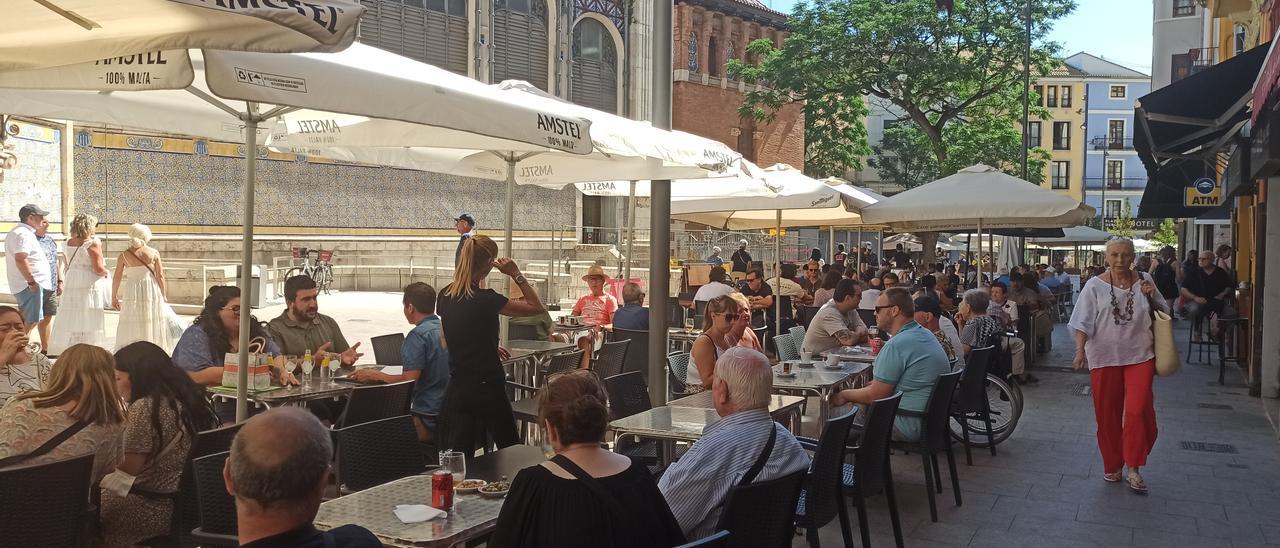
(1061, 527)
(1235, 531)
(1147, 538)
(1138, 520)
(1196, 509)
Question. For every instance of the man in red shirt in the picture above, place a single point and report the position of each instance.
(596, 309)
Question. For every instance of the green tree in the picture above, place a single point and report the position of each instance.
(957, 76)
(903, 157)
(1125, 226)
(1166, 235)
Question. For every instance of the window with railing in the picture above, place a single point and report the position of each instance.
(1115, 134)
(1115, 174)
(1060, 175)
(1184, 8)
(1061, 135)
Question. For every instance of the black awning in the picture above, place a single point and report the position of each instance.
(1166, 191)
(1197, 114)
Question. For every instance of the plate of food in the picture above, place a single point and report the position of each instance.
(497, 489)
(470, 485)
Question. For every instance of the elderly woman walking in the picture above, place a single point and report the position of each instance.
(1112, 328)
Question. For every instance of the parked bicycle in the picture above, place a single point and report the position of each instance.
(318, 269)
(1006, 402)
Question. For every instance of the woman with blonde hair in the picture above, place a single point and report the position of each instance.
(78, 411)
(475, 403)
(138, 292)
(724, 325)
(81, 315)
(1112, 327)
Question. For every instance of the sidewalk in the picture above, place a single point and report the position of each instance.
(1045, 488)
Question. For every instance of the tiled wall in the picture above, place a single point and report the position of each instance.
(128, 186)
(37, 177)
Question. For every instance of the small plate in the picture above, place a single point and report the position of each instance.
(840, 365)
(786, 375)
(494, 494)
(807, 365)
(473, 489)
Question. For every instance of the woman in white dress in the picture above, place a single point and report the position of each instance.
(138, 292)
(80, 317)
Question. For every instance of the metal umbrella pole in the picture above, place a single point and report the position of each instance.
(246, 261)
(631, 229)
(660, 209)
(977, 282)
(777, 253)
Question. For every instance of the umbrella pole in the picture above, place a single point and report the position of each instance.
(858, 262)
(246, 261)
(831, 244)
(631, 229)
(968, 253)
(511, 206)
(977, 282)
(777, 299)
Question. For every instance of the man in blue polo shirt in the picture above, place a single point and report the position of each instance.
(425, 359)
(910, 362)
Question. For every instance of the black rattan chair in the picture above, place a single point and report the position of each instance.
(45, 504)
(217, 525)
(637, 353)
(868, 317)
(386, 348)
(786, 347)
(762, 514)
(628, 395)
(677, 367)
(807, 313)
(822, 498)
(561, 363)
(611, 358)
(971, 401)
(935, 437)
(186, 513)
(871, 472)
(376, 402)
(377, 452)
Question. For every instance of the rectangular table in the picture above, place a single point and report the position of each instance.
(532, 354)
(780, 406)
(682, 340)
(307, 390)
(820, 381)
(472, 517)
(684, 419)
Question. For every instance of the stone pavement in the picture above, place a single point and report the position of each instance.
(1045, 489)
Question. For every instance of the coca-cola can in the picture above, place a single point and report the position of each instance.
(442, 490)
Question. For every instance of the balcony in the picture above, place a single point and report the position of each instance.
(1111, 143)
(1130, 183)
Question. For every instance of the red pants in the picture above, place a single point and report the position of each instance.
(1125, 413)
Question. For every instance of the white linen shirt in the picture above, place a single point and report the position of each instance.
(1108, 344)
(22, 239)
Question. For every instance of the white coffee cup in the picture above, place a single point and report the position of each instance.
(806, 357)
(833, 360)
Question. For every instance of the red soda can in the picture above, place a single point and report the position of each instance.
(442, 490)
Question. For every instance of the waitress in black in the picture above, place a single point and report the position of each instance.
(475, 404)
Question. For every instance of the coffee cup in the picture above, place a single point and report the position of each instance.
(786, 368)
(833, 360)
(806, 357)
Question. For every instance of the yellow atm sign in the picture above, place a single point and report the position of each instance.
(1203, 192)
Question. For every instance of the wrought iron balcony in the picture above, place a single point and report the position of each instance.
(1108, 142)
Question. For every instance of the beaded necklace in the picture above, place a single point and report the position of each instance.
(1117, 316)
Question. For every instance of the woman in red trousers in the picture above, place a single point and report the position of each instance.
(1112, 328)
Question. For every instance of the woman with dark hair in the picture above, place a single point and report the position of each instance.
(827, 289)
(475, 403)
(166, 410)
(586, 495)
(203, 348)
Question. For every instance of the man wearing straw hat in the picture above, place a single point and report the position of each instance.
(596, 309)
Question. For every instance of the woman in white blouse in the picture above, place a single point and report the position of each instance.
(1112, 324)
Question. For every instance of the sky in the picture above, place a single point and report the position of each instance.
(1117, 30)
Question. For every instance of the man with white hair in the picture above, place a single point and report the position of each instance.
(731, 448)
(715, 259)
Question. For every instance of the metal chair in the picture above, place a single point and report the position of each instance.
(935, 437)
(786, 347)
(761, 333)
(806, 315)
(677, 369)
(797, 333)
(377, 452)
(628, 395)
(971, 401)
(611, 358)
(822, 498)
(186, 507)
(386, 348)
(45, 504)
(638, 353)
(762, 514)
(561, 363)
(218, 525)
(871, 472)
(371, 403)
(718, 540)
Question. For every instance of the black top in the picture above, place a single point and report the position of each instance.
(757, 315)
(307, 536)
(741, 260)
(1206, 285)
(901, 259)
(544, 510)
(470, 327)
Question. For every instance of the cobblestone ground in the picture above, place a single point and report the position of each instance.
(1044, 488)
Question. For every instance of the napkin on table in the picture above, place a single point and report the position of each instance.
(415, 513)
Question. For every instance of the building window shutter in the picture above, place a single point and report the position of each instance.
(520, 43)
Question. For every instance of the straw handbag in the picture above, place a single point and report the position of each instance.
(1167, 362)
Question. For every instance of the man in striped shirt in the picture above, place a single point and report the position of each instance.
(696, 485)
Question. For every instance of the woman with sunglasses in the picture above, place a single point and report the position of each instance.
(216, 332)
(723, 325)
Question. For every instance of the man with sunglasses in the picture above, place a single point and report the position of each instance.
(758, 293)
(811, 281)
(910, 362)
(837, 322)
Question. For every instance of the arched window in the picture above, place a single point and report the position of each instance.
(594, 76)
(713, 63)
(693, 51)
(520, 41)
(431, 31)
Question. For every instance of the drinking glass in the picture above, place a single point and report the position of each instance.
(688, 325)
(307, 368)
(454, 462)
(335, 366)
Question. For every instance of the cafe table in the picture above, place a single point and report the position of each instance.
(820, 380)
(309, 389)
(681, 339)
(472, 518)
(786, 408)
(685, 419)
(533, 355)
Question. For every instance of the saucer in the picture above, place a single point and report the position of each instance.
(785, 375)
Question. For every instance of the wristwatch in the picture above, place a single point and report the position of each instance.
(520, 280)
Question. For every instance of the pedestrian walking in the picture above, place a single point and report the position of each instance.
(1112, 328)
(475, 406)
(138, 292)
(84, 291)
(30, 278)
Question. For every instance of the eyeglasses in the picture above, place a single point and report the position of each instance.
(233, 309)
(815, 270)
(879, 308)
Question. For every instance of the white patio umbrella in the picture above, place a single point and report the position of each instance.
(980, 196)
(1076, 235)
(217, 93)
(797, 200)
(46, 33)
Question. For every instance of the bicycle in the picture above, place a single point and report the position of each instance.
(319, 270)
(1006, 403)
